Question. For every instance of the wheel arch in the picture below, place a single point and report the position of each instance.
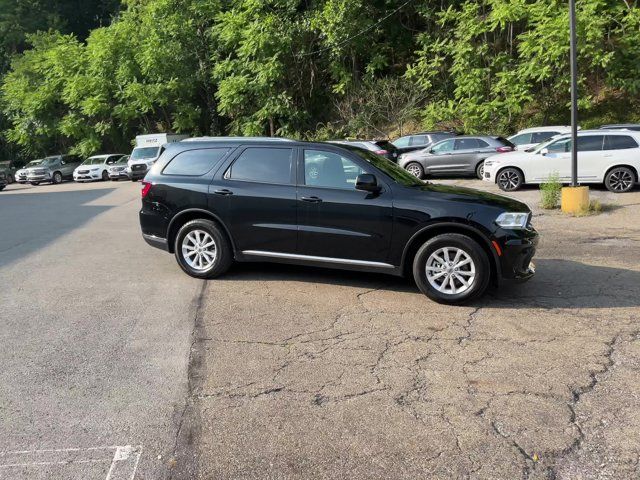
(524, 177)
(630, 167)
(421, 236)
(193, 214)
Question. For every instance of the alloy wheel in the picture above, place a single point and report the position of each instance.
(450, 270)
(414, 170)
(621, 180)
(199, 250)
(508, 180)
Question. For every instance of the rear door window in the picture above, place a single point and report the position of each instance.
(194, 163)
(264, 165)
(590, 143)
(619, 142)
(402, 142)
(466, 144)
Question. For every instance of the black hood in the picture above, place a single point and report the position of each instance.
(463, 194)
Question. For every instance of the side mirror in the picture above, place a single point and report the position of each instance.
(368, 183)
(544, 151)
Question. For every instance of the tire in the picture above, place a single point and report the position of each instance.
(476, 271)
(620, 179)
(115, 179)
(133, 180)
(10, 179)
(35, 184)
(203, 231)
(480, 170)
(2, 187)
(105, 175)
(56, 178)
(510, 179)
(415, 169)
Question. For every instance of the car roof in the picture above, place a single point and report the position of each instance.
(544, 129)
(237, 139)
(582, 133)
(620, 125)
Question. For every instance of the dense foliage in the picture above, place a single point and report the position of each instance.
(306, 68)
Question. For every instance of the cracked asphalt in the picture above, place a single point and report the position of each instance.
(289, 372)
(309, 373)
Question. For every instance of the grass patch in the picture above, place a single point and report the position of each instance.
(550, 192)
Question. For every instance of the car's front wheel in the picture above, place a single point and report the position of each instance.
(415, 169)
(510, 179)
(619, 179)
(57, 178)
(451, 268)
(35, 184)
(202, 249)
(105, 175)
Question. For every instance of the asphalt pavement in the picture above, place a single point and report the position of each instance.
(95, 328)
(116, 365)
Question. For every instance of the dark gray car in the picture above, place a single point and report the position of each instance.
(462, 155)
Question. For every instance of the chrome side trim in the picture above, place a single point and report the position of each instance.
(312, 258)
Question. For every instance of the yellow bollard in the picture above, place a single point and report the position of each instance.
(574, 199)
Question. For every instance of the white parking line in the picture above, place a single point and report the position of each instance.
(123, 460)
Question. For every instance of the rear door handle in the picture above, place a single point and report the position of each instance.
(311, 199)
(223, 191)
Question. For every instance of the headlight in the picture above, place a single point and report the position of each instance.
(488, 163)
(95, 169)
(513, 220)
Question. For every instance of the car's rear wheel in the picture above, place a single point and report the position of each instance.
(480, 170)
(57, 178)
(619, 179)
(415, 169)
(202, 249)
(510, 179)
(451, 268)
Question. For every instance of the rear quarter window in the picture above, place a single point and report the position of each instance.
(194, 163)
(619, 142)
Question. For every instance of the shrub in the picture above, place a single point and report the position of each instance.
(550, 192)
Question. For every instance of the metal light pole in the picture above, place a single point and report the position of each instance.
(574, 94)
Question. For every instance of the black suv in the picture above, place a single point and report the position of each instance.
(327, 205)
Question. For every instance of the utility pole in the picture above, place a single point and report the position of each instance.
(574, 94)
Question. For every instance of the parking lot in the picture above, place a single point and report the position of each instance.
(118, 365)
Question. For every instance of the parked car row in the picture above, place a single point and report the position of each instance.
(613, 158)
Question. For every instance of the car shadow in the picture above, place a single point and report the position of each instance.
(558, 283)
(30, 221)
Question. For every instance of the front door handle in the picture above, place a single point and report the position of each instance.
(311, 199)
(223, 191)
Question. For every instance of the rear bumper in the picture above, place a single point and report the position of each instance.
(157, 242)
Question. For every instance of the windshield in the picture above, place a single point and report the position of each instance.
(94, 161)
(33, 163)
(542, 145)
(49, 160)
(123, 160)
(144, 152)
(397, 174)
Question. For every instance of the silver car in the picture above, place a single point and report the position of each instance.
(462, 155)
(53, 169)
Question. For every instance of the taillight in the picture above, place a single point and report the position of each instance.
(381, 152)
(146, 186)
(504, 149)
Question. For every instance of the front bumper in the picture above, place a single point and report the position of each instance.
(44, 177)
(138, 171)
(517, 255)
(118, 175)
(87, 177)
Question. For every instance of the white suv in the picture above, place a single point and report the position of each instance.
(530, 137)
(611, 157)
